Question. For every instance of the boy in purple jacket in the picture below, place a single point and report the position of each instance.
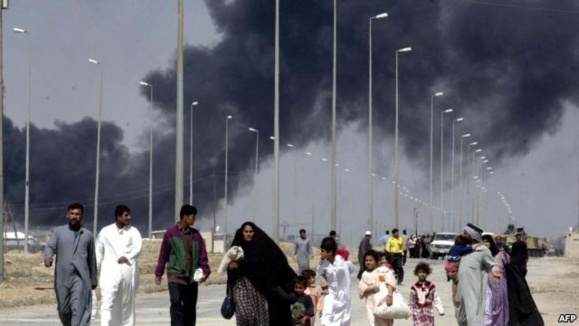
(182, 253)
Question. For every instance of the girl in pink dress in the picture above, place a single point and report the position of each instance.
(314, 293)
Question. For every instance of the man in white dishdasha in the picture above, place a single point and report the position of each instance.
(118, 247)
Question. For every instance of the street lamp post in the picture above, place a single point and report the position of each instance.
(460, 181)
(27, 176)
(276, 128)
(3, 6)
(431, 150)
(481, 191)
(98, 150)
(255, 196)
(472, 176)
(313, 188)
(371, 184)
(396, 218)
(191, 155)
(452, 176)
(473, 173)
(294, 173)
(396, 192)
(226, 169)
(150, 160)
(179, 147)
(442, 113)
(333, 221)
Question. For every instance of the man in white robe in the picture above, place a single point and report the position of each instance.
(337, 271)
(303, 251)
(118, 247)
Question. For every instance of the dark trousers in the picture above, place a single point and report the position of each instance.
(183, 308)
(362, 269)
(397, 266)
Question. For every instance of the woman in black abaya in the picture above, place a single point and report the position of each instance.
(263, 275)
(523, 310)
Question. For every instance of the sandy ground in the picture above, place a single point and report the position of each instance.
(27, 281)
(552, 281)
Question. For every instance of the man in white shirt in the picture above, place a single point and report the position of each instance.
(118, 247)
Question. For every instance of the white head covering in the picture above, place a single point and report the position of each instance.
(474, 231)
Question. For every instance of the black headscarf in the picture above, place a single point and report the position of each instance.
(263, 261)
(493, 246)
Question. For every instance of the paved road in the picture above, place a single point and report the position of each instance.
(153, 308)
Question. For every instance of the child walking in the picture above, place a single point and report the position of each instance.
(423, 297)
(337, 308)
(370, 283)
(303, 309)
(314, 293)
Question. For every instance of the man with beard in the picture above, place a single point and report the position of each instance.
(473, 274)
(303, 251)
(75, 274)
(118, 247)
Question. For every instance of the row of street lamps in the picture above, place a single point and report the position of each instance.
(276, 150)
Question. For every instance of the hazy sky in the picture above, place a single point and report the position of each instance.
(510, 71)
(129, 38)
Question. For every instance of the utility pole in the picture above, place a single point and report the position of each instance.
(179, 128)
(2, 8)
(214, 212)
(416, 221)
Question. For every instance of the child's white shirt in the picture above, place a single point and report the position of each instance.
(337, 308)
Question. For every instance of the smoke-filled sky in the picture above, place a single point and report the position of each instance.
(509, 69)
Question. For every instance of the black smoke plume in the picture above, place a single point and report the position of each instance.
(506, 67)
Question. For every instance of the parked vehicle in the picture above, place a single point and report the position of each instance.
(15, 241)
(441, 244)
(536, 246)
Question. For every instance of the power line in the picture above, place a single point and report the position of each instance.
(560, 11)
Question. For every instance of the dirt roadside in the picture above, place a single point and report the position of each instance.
(553, 282)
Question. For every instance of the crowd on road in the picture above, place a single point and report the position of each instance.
(488, 277)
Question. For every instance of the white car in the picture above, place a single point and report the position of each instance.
(441, 244)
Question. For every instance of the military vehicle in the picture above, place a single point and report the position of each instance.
(537, 247)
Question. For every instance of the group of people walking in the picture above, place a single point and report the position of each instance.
(419, 246)
(78, 257)
(489, 284)
(115, 252)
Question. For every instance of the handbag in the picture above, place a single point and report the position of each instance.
(228, 306)
(397, 310)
